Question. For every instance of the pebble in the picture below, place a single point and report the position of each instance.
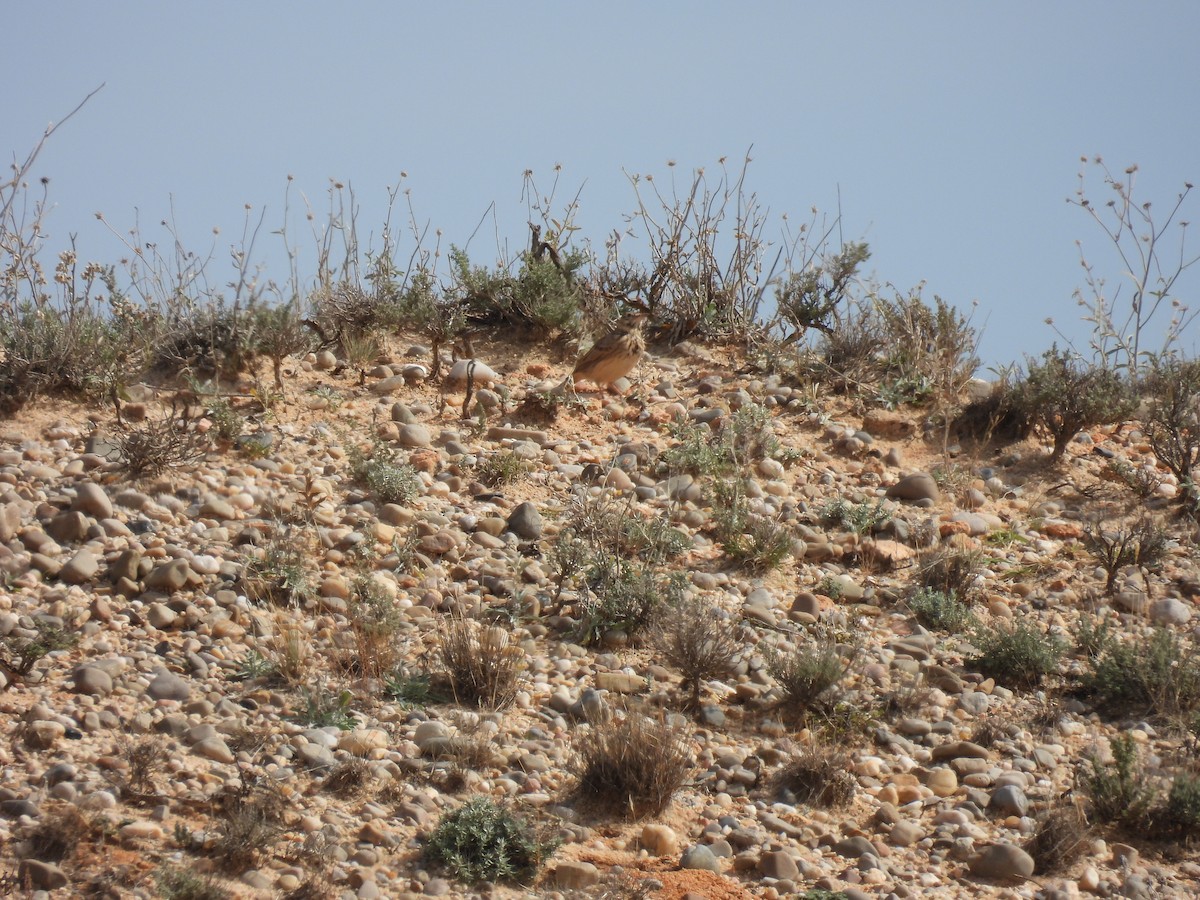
(168, 686)
(1002, 862)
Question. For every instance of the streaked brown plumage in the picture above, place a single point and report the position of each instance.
(614, 355)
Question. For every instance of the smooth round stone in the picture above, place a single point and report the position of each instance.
(93, 681)
(91, 498)
(1170, 611)
(415, 436)
(905, 833)
(213, 748)
(918, 486)
(659, 840)
(942, 781)
(699, 856)
(1009, 800)
(1002, 862)
(168, 686)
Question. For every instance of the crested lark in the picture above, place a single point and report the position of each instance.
(614, 355)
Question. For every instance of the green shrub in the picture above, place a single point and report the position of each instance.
(177, 883)
(622, 597)
(1159, 676)
(950, 571)
(860, 518)
(324, 708)
(483, 841)
(1066, 396)
(1060, 838)
(808, 675)
(1182, 811)
(411, 689)
(380, 470)
(1173, 427)
(810, 298)
(750, 540)
(1120, 793)
(1020, 655)
(819, 776)
(940, 611)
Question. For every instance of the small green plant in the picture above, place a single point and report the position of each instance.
(698, 641)
(380, 470)
(1094, 636)
(411, 689)
(808, 675)
(1120, 793)
(253, 666)
(178, 883)
(228, 422)
(751, 540)
(1182, 810)
(1064, 397)
(1060, 838)
(622, 597)
(940, 611)
(323, 708)
(332, 396)
(950, 571)
(831, 587)
(483, 841)
(696, 451)
(167, 442)
(1021, 655)
(375, 620)
(1159, 675)
(276, 573)
(500, 469)
(483, 664)
(1173, 427)
(250, 823)
(860, 518)
(22, 653)
(631, 766)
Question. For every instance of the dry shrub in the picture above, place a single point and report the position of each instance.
(699, 641)
(631, 766)
(481, 663)
(1061, 838)
(349, 778)
(252, 820)
(170, 441)
(819, 776)
(57, 834)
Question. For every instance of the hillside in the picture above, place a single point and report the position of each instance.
(320, 620)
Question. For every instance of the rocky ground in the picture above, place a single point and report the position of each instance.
(209, 719)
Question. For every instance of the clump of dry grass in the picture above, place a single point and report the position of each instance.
(631, 766)
(1061, 837)
(482, 664)
(819, 776)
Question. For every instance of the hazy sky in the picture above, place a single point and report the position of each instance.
(953, 130)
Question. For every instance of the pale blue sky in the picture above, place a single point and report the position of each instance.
(953, 129)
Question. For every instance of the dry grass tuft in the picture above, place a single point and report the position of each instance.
(482, 664)
(631, 767)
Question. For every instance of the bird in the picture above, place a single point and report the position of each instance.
(613, 356)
